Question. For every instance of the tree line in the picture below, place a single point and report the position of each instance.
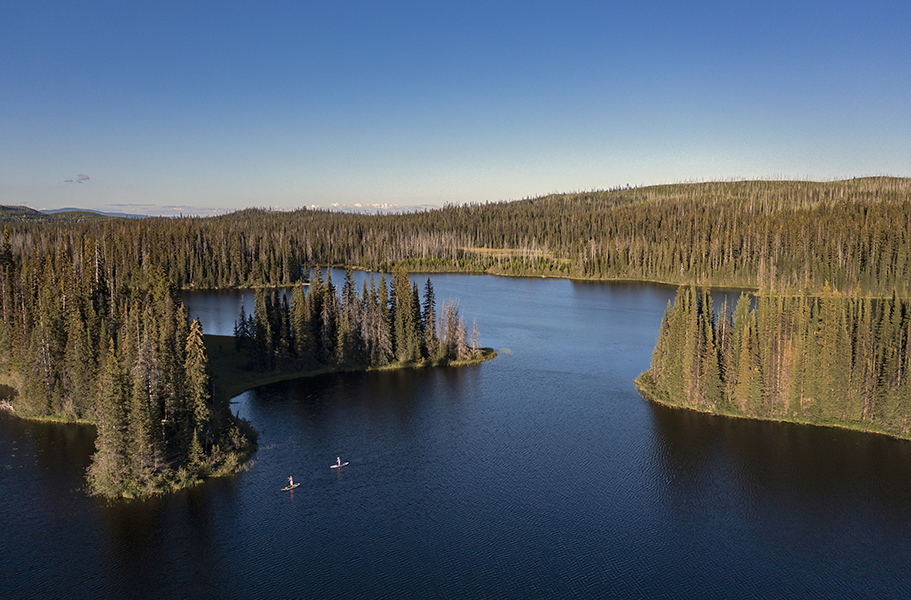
(376, 326)
(831, 358)
(788, 236)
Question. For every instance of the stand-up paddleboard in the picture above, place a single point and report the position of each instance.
(338, 464)
(290, 487)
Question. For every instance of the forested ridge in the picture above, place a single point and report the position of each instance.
(776, 235)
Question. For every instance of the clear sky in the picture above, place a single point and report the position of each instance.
(202, 107)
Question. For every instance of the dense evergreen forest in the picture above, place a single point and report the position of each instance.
(777, 235)
(80, 343)
(379, 325)
(127, 359)
(826, 359)
(92, 327)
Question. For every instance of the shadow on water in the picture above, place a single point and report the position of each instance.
(539, 474)
(60, 451)
(785, 457)
(396, 392)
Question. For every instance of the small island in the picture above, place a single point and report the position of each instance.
(323, 330)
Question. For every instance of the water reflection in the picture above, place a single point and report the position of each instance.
(381, 396)
(539, 474)
(782, 457)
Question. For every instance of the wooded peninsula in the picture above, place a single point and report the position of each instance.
(92, 327)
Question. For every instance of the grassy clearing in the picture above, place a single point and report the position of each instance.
(509, 252)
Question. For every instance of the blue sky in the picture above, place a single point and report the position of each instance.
(204, 107)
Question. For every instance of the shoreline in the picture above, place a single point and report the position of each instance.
(231, 378)
(649, 394)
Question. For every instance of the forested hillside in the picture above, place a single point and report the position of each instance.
(774, 235)
(17, 214)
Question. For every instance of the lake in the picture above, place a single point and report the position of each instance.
(539, 474)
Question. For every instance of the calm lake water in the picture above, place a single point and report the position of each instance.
(539, 474)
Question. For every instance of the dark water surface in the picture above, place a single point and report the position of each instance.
(541, 473)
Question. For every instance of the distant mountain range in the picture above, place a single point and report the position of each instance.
(53, 211)
(20, 214)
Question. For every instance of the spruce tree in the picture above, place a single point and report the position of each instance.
(301, 327)
(198, 381)
(262, 335)
(109, 472)
(416, 347)
(431, 338)
(328, 322)
(241, 330)
(81, 369)
(143, 446)
(385, 338)
(403, 324)
(709, 363)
